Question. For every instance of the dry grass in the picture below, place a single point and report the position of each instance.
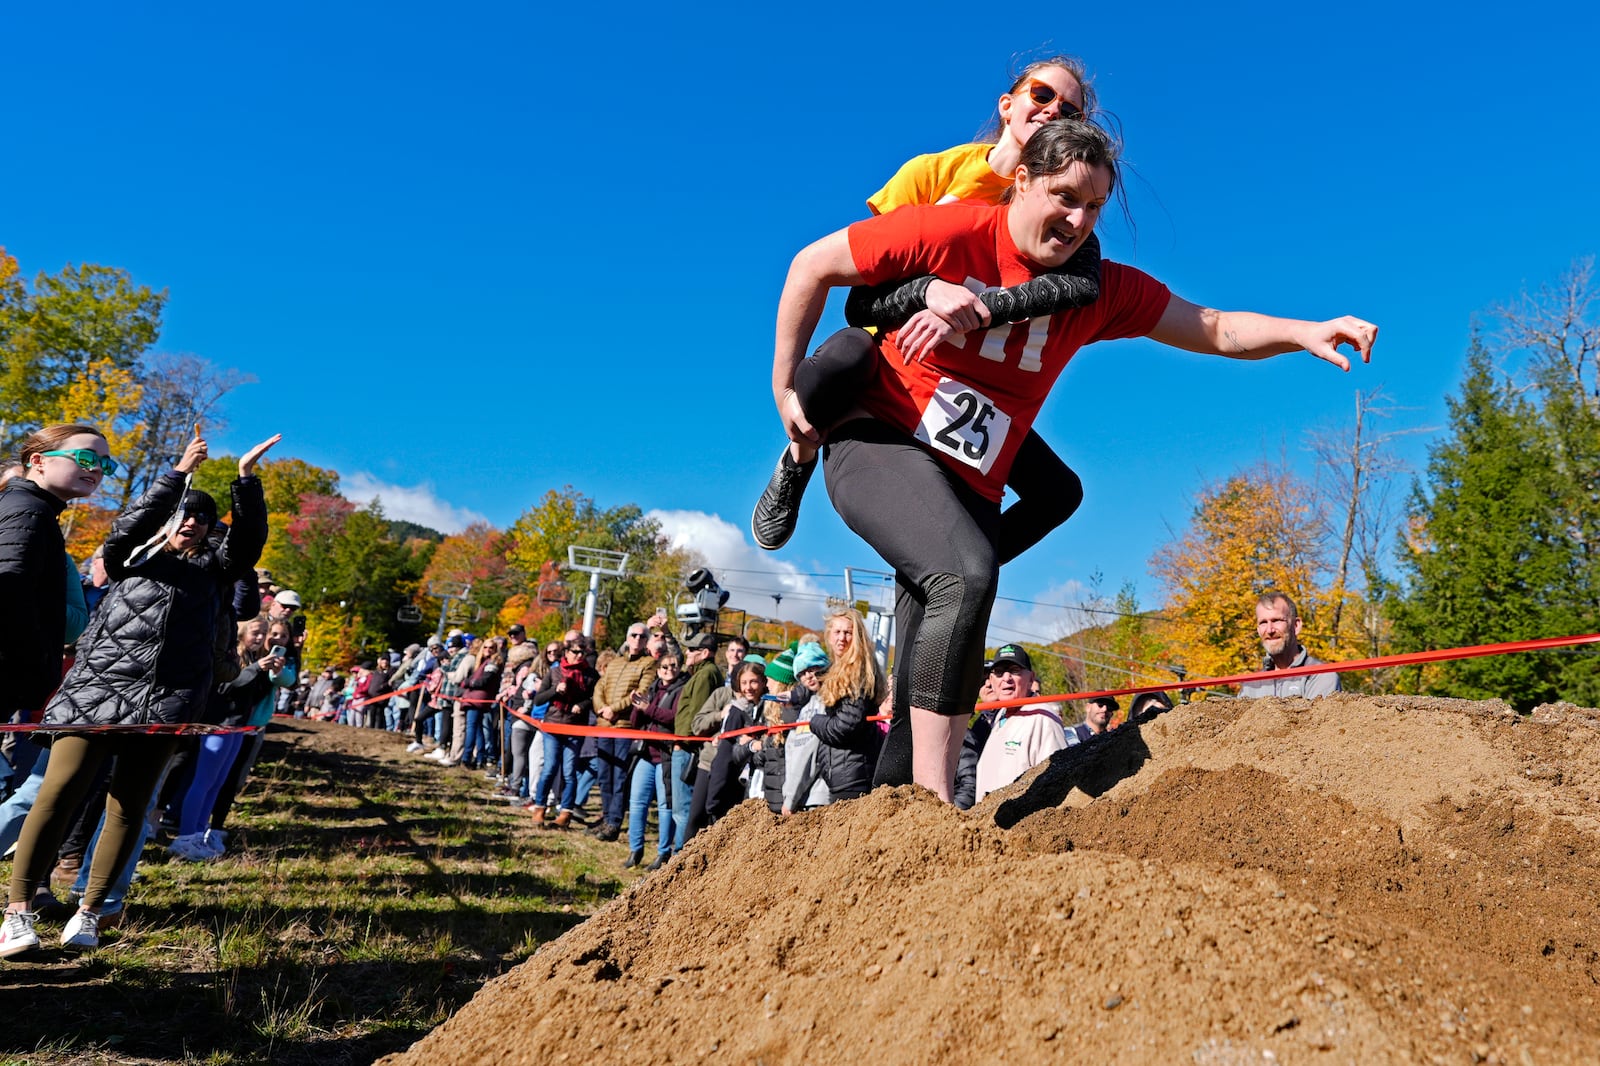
(365, 897)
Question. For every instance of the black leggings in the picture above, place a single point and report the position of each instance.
(1048, 491)
(940, 537)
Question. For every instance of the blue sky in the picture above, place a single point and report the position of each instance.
(473, 253)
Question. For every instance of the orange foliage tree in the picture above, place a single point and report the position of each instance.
(1256, 530)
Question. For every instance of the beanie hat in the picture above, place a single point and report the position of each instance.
(201, 505)
(781, 668)
(810, 655)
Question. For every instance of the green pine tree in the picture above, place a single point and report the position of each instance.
(1487, 557)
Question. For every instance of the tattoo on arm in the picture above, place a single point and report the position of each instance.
(1233, 339)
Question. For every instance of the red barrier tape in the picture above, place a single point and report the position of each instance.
(1348, 666)
(181, 728)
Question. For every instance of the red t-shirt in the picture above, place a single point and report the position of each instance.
(972, 400)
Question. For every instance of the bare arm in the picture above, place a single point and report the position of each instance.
(1247, 335)
(819, 267)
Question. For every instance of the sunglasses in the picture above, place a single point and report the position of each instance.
(87, 459)
(1044, 95)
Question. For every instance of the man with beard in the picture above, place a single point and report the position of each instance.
(1278, 624)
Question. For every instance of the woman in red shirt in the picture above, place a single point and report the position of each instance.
(918, 468)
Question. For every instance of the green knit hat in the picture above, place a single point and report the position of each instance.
(781, 668)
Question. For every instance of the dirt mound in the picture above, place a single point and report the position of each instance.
(1349, 880)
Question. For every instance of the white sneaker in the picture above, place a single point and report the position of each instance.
(217, 841)
(438, 755)
(448, 761)
(190, 847)
(413, 747)
(82, 931)
(16, 933)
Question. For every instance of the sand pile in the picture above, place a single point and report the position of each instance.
(1351, 880)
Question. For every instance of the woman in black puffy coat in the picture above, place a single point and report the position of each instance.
(850, 692)
(147, 658)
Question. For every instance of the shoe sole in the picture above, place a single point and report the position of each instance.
(12, 950)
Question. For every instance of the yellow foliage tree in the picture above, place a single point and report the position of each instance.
(107, 397)
(1256, 530)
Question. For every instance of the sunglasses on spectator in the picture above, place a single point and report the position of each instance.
(1044, 95)
(287, 607)
(87, 459)
(669, 667)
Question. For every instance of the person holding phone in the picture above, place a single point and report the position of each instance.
(245, 701)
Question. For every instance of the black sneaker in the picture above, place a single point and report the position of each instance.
(610, 831)
(773, 521)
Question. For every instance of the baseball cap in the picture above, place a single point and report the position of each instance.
(289, 598)
(701, 641)
(1013, 653)
(517, 631)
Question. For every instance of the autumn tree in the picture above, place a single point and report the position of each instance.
(1256, 530)
(59, 330)
(348, 569)
(540, 537)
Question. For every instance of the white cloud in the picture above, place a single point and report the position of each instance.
(1049, 617)
(413, 503)
(749, 574)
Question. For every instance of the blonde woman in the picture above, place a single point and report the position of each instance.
(850, 693)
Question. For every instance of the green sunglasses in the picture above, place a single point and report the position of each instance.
(88, 459)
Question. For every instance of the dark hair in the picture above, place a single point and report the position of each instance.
(1146, 700)
(1062, 142)
(747, 667)
(49, 438)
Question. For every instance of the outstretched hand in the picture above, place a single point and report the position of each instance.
(1324, 338)
(247, 464)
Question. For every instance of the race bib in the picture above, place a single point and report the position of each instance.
(963, 423)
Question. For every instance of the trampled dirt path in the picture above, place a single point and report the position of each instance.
(1364, 880)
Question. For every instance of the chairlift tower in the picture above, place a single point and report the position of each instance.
(447, 591)
(880, 623)
(597, 563)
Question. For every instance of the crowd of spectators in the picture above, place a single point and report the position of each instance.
(692, 728)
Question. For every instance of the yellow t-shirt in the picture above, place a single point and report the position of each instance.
(959, 173)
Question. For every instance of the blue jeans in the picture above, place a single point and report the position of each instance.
(560, 758)
(682, 797)
(649, 779)
(609, 765)
(14, 811)
(472, 747)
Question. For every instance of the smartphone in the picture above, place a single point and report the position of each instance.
(280, 652)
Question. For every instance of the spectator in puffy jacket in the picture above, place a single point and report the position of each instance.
(767, 750)
(850, 693)
(804, 786)
(40, 612)
(146, 659)
(732, 756)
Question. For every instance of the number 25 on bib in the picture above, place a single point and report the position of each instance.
(963, 423)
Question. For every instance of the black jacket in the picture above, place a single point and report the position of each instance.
(148, 652)
(849, 747)
(33, 605)
(769, 759)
